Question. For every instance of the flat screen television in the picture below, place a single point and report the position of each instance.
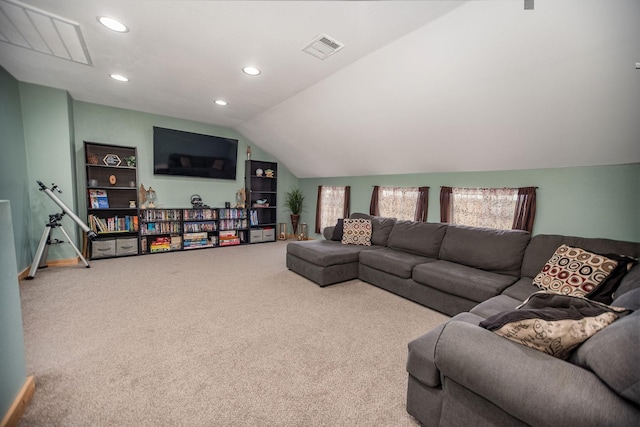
(177, 152)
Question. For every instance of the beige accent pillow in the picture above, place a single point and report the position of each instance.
(552, 323)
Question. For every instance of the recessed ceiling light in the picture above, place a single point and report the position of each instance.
(113, 24)
(252, 71)
(119, 77)
(221, 102)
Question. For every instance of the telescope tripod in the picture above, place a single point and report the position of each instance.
(40, 259)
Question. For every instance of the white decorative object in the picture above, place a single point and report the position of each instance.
(259, 172)
(151, 198)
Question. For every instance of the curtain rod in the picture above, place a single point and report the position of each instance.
(527, 186)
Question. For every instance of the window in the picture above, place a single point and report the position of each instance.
(333, 203)
(408, 203)
(502, 208)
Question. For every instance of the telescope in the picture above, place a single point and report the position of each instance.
(40, 259)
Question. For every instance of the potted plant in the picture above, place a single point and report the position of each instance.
(294, 202)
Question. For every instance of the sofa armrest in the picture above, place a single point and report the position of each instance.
(328, 232)
(530, 385)
(420, 360)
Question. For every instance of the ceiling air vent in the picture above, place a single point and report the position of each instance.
(323, 47)
(34, 29)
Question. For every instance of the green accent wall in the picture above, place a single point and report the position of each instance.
(14, 240)
(13, 166)
(48, 136)
(591, 201)
(109, 125)
(13, 371)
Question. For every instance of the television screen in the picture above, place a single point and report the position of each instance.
(183, 153)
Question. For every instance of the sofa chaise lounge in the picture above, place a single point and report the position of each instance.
(461, 373)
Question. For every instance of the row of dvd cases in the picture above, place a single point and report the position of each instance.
(163, 230)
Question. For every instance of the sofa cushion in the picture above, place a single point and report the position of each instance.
(467, 282)
(327, 232)
(613, 354)
(499, 251)
(381, 227)
(630, 300)
(356, 232)
(420, 238)
(420, 362)
(495, 305)
(629, 282)
(574, 271)
(394, 262)
(522, 289)
(326, 252)
(553, 323)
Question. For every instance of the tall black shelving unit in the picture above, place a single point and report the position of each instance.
(112, 199)
(261, 184)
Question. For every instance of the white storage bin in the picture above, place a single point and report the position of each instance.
(255, 236)
(126, 246)
(268, 234)
(103, 248)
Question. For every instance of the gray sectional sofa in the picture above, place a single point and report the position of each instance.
(463, 374)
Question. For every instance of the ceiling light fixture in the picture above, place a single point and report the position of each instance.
(252, 71)
(119, 77)
(113, 24)
(221, 102)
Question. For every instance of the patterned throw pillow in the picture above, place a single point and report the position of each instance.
(552, 323)
(356, 231)
(574, 271)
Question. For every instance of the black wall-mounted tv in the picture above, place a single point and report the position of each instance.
(177, 152)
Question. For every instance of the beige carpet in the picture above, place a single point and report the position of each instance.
(213, 337)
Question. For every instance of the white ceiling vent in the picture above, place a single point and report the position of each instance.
(323, 46)
(34, 29)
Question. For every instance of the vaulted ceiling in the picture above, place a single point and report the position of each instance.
(420, 86)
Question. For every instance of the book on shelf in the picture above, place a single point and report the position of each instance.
(176, 242)
(233, 224)
(160, 244)
(195, 236)
(229, 241)
(196, 240)
(113, 224)
(98, 199)
(228, 238)
(190, 244)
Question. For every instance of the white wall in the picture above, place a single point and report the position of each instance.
(488, 86)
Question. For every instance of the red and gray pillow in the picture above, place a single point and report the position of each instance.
(577, 272)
